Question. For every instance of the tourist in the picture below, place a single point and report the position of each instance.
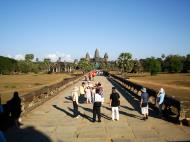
(82, 92)
(144, 103)
(114, 103)
(75, 101)
(160, 100)
(90, 76)
(100, 87)
(97, 102)
(15, 108)
(93, 92)
(88, 94)
(89, 84)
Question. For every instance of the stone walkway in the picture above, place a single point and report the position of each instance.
(53, 122)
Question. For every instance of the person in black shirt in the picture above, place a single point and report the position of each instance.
(114, 103)
(144, 103)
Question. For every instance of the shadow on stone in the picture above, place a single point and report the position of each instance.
(124, 113)
(68, 98)
(128, 108)
(61, 109)
(28, 134)
(91, 111)
(82, 115)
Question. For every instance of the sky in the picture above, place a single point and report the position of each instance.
(70, 28)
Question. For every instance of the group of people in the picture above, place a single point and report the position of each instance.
(144, 102)
(94, 94)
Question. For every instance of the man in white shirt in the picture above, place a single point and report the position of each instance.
(82, 92)
(97, 105)
(75, 101)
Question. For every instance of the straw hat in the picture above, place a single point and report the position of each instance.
(143, 89)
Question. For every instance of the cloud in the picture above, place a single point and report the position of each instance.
(55, 56)
(19, 57)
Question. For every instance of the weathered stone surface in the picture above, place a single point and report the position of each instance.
(53, 122)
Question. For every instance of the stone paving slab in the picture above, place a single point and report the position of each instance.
(53, 122)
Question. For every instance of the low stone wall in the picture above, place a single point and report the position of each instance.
(36, 98)
(176, 110)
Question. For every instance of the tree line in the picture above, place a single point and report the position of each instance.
(170, 64)
(124, 63)
(11, 66)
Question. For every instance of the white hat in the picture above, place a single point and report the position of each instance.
(75, 89)
(161, 90)
(143, 89)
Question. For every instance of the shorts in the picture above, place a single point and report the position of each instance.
(144, 110)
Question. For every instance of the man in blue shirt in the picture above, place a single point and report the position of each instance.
(144, 103)
(160, 100)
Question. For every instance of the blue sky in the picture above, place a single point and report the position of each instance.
(70, 28)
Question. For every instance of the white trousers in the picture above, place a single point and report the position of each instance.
(115, 113)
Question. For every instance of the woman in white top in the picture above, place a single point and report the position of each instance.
(75, 101)
(88, 95)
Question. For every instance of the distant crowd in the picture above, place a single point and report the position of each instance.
(94, 94)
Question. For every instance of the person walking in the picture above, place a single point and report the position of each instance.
(97, 102)
(160, 100)
(75, 101)
(114, 103)
(82, 93)
(100, 87)
(144, 103)
(88, 94)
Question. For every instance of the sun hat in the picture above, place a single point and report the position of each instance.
(75, 89)
(143, 89)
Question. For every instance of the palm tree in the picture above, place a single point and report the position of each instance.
(124, 62)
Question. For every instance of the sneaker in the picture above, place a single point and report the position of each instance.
(99, 120)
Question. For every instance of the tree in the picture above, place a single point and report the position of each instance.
(186, 65)
(137, 66)
(85, 65)
(154, 66)
(124, 62)
(29, 57)
(7, 65)
(173, 63)
(24, 67)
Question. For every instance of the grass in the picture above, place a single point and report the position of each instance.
(26, 83)
(176, 85)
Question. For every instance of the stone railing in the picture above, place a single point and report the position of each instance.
(174, 109)
(36, 98)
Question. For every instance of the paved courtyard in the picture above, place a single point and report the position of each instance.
(53, 122)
